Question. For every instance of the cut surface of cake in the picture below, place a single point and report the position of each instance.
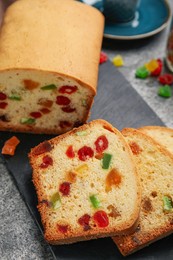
(86, 183)
(155, 168)
(160, 134)
(49, 60)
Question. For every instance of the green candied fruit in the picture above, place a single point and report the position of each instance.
(165, 91)
(15, 97)
(84, 102)
(142, 73)
(48, 87)
(167, 204)
(81, 133)
(27, 121)
(106, 160)
(55, 201)
(95, 201)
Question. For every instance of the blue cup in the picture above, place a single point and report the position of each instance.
(120, 11)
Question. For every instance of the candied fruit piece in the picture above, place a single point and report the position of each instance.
(55, 201)
(152, 65)
(101, 218)
(45, 102)
(166, 79)
(85, 153)
(65, 124)
(3, 105)
(82, 168)
(118, 61)
(35, 114)
(68, 89)
(71, 177)
(101, 143)
(84, 221)
(62, 228)
(2, 96)
(47, 161)
(70, 152)
(113, 211)
(42, 148)
(95, 201)
(68, 109)
(49, 87)
(62, 101)
(165, 91)
(64, 188)
(167, 204)
(113, 178)
(30, 84)
(10, 146)
(142, 73)
(103, 57)
(135, 148)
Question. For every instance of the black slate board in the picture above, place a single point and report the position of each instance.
(120, 104)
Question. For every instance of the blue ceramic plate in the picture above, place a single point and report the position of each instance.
(151, 17)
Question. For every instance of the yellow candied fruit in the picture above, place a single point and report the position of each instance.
(152, 65)
(82, 168)
(118, 61)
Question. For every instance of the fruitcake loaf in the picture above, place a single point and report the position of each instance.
(161, 134)
(49, 56)
(155, 167)
(86, 183)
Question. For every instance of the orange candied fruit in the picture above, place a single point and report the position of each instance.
(10, 146)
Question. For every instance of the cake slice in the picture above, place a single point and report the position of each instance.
(49, 59)
(161, 134)
(155, 167)
(86, 183)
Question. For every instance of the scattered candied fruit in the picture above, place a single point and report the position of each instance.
(62, 228)
(10, 146)
(68, 109)
(45, 102)
(55, 201)
(64, 188)
(85, 153)
(3, 105)
(142, 73)
(42, 148)
(65, 124)
(84, 221)
(2, 96)
(68, 89)
(101, 218)
(166, 79)
(103, 57)
(30, 84)
(113, 178)
(70, 152)
(35, 114)
(165, 91)
(62, 101)
(158, 70)
(135, 148)
(167, 204)
(101, 143)
(118, 61)
(47, 161)
(152, 65)
(82, 168)
(71, 177)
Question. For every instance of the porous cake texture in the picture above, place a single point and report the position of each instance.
(86, 183)
(155, 168)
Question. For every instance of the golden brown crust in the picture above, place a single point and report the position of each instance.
(141, 237)
(79, 235)
(74, 53)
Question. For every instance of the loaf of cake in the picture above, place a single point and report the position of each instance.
(49, 56)
(86, 183)
(161, 134)
(155, 167)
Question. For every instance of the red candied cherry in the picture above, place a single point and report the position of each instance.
(68, 109)
(135, 148)
(45, 110)
(84, 221)
(3, 105)
(85, 153)
(101, 143)
(2, 96)
(62, 228)
(62, 101)
(70, 152)
(64, 124)
(103, 57)
(42, 148)
(35, 114)
(101, 218)
(64, 188)
(47, 160)
(68, 89)
(166, 79)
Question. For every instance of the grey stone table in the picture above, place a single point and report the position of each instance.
(19, 236)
